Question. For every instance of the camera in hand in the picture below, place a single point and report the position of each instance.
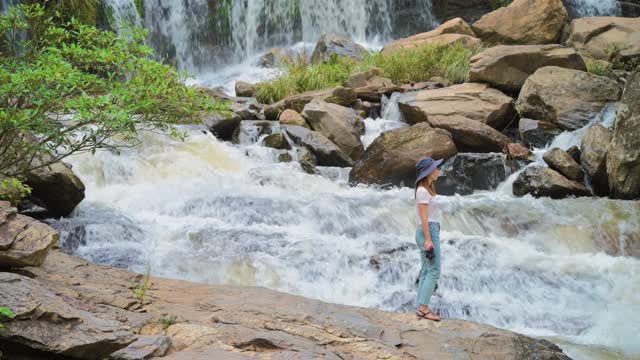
(431, 254)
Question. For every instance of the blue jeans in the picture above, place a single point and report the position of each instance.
(430, 272)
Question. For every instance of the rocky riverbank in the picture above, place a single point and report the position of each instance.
(66, 307)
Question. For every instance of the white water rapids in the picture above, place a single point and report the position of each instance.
(214, 212)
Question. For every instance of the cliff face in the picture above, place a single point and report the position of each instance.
(185, 320)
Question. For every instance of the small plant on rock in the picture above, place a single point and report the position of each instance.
(6, 312)
(168, 321)
(140, 290)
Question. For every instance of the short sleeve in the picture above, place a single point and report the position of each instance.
(423, 196)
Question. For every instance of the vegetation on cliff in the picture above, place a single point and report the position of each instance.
(70, 88)
(450, 62)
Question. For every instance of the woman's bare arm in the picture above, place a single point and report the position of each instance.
(423, 210)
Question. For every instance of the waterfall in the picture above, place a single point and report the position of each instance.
(583, 8)
(121, 14)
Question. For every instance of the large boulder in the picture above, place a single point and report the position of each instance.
(537, 134)
(467, 172)
(392, 157)
(326, 153)
(598, 36)
(593, 157)
(245, 89)
(470, 135)
(455, 26)
(45, 321)
(471, 100)
(544, 182)
(56, 187)
(507, 67)
(341, 95)
(566, 97)
(623, 159)
(465, 41)
(560, 161)
(339, 124)
(524, 22)
(23, 240)
(330, 45)
(292, 117)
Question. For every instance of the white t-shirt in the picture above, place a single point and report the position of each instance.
(424, 197)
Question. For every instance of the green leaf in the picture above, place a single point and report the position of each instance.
(6, 312)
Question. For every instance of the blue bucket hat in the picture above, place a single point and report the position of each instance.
(425, 166)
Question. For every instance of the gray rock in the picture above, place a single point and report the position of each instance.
(544, 182)
(391, 158)
(471, 135)
(560, 161)
(23, 240)
(277, 141)
(593, 157)
(467, 172)
(326, 152)
(45, 322)
(222, 126)
(56, 187)
(339, 124)
(340, 95)
(330, 45)
(566, 97)
(245, 89)
(536, 133)
(145, 347)
(249, 131)
(623, 158)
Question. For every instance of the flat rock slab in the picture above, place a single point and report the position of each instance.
(23, 240)
(145, 347)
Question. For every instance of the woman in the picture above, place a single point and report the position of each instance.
(428, 233)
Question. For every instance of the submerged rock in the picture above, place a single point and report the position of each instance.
(593, 157)
(342, 125)
(466, 172)
(537, 134)
(566, 97)
(392, 157)
(544, 182)
(526, 22)
(507, 67)
(249, 131)
(330, 45)
(623, 158)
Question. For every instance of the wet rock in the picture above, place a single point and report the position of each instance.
(223, 125)
(575, 153)
(544, 182)
(537, 134)
(292, 117)
(330, 45)
(45, 322)
(23, 240)
(455, 26)
(507, 67)
(467, 172)
(593, 157)
(277, 141)
(623, 158)
(474, 101)
(525, 22)
(340, 95)
(566, 97)
(326, 152)
(342, 125)
(245, 89)
(391, 158)
(597, 36)
(471, 135)
(517, 151)
(249, 131)
(273, 57)
(370, 109)
(560, 161)
(145, 347)
(56, 187)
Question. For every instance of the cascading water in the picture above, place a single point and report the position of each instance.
(594, 7)
(213, 212)
(122, 14)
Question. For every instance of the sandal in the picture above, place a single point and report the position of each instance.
(423, 315)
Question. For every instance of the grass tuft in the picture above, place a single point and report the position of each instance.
(410, 65)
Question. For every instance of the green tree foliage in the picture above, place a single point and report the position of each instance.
(74, 88)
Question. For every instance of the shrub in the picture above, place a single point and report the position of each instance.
(13, 190)
(107, 82)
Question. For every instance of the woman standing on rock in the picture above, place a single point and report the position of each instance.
(428, 233)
